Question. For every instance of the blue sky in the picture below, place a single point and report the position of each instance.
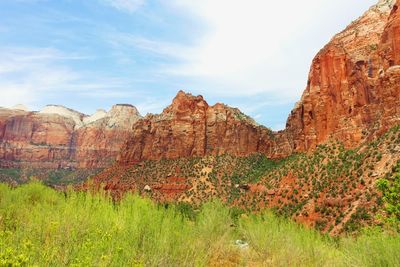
(90, 54)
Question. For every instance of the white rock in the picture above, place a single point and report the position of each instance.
(65, 112)
(20, 107)
(98, 115)
(241, 244)
(147, 188)
(122, 115)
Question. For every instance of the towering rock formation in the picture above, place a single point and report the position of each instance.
(353, 87)
(352, 95)
(190, 127)
(57, 137)
(99, 142)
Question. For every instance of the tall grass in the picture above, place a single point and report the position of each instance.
(42, 227)
(280, 242)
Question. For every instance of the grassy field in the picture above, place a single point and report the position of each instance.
(42, 227)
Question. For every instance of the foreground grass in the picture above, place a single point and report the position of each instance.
(42, 227)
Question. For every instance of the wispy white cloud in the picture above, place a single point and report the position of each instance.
(129, 6)
(25, 73)
(253, 107)
(254, 54)
(251, 47)
(152, 105)
(28, 75)
(158, 47)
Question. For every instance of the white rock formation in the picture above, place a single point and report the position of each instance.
(121, 115)
(76, 116)
(98, 115)
(20, 107)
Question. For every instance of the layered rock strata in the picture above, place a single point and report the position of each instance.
(57, 137)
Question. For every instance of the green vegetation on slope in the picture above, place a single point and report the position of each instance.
(51, 177)
(43, 227)
(390, 188)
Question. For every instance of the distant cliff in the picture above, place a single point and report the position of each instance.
(190, 127)
(352, 96)
(58, 137)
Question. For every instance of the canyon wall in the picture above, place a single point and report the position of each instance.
(57, 137)
(352, 95)
(353, 86)
(190, 127)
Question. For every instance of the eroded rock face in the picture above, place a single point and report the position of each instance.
(100, 142)
(352, 95)
(57, 137)
(353, 86)
(190, 127)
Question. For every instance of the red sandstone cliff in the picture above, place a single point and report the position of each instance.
(353, 94)
(353, 87)
(58, 137)
(190, 127)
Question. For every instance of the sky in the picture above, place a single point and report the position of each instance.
(91, 54)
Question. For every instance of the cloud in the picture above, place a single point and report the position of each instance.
(129, 6)
(30, 75)
(157, 47)
(25, 73)
(254, 54)
(250, 47)
(151, 105)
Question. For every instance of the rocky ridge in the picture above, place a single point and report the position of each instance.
(58, 137)
(352, 96)
(342, 124)
(193, 151)
(190, 127)
(352, 93)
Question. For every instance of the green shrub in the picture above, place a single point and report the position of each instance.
(390, 189)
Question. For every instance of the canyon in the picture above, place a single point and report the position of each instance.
(339, 138)
(352, 96)
(321, 170)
